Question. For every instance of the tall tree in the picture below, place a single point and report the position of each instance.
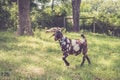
(24, 18)
(76, 11)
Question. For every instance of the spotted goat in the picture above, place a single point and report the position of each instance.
(72, 47)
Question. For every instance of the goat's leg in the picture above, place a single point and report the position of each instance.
(83, 61)
(64, 59)
(85, 49)
(88, 59)
(85, 54)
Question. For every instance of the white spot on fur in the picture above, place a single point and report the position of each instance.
(67, 45)
(75, 45)
(63, 43)
(83, 40)
(68, 41)
(69, 48)
(73, 42)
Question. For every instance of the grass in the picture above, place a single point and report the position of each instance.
(39, 58)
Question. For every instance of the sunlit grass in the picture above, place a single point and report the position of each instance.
(40, 58)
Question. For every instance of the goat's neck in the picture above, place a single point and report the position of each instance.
(62, 39)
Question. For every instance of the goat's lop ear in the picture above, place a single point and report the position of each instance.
(59, 29)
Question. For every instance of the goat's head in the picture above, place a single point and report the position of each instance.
(58, 35)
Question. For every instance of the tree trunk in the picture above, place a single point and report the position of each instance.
(76, 11)
(24, 18)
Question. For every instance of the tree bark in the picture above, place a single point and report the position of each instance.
(24, 18)
(76, 11)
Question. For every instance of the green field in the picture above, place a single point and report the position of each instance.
(40, 58)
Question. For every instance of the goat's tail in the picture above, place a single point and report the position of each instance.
(84, 38)
(82, 35)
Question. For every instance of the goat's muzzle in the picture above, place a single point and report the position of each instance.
(54, 38)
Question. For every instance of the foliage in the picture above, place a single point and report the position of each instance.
(8, 15)
(40, 58)
(4, 15)
(47, 18)
(107, 16)
(13, 23)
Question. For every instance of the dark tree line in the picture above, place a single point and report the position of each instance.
(28, 17)
(24, 23)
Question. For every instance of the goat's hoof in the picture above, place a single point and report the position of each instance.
(81, 65)
(68, 64)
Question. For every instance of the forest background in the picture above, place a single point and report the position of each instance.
(105, 14)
